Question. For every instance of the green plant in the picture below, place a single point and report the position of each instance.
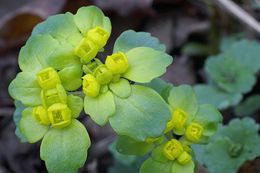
(230, 147)
(230, 74)
(62, 74)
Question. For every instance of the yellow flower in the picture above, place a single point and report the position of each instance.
(194, 132)
(90, 85)
(59, 115)
(48, 78)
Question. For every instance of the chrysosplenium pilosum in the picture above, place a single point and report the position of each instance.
(61, 73)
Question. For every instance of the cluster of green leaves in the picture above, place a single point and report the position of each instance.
(133, 110)
(230, 147)
(230, 73)
(182, 97)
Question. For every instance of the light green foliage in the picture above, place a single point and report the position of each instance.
(100, 108)
(19, 107)
(75, 103)
(25, 89)
(184, 98)
(59, 146)
(131, 39)
(90, 17)
(249, 106)
(142, 115)
(231, 146)
(52, 64)
(129, 146)
(121, 88)
(160, 86)
(246, 52)
(217, 97)
(229, 74)
(30, 128)
(146, 64)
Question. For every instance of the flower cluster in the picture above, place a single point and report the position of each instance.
(191, 123)
(59, 59)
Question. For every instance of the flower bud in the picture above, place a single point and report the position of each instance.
(90, 85)
(59, 115)
(40, 114)
(184, 158)
(103, 74)
(117, 63)
(54, 95)
(87, 50)
(194, 132)
(99, 36)
(172, 149)
(48, 78)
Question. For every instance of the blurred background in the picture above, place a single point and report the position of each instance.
(191, 30)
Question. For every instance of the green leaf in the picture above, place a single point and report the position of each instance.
(100, 108)
(30, 127)
(183, 97)
(158, 155)
(130, 39)
(195, 49)
(146, 64)
(188, 168)
(60, 27)
(209, 117)
(90, 17)
(71, 77)
(219, 98)
(242, 133)
(228, 41)
(25, 88)
(33, 56)
(143, 114)
(129, 146)
(160, 86)
(249, 106)
(75, 103)
(217, 153)
(63, 56)
(152, 166)
(121, 88)
(124, 159)
(229, 74)
(246, 52)
(19, 107)
(65, 150)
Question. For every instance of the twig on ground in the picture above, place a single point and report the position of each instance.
(239, 13)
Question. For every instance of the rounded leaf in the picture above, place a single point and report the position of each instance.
(90, 17)
(60, 27)
(33, 56)
(75, 103)
(183, 97)
(209, 117)
(130, 39)
(30, 128)
(229, 74)
(65, 150)
(188, 168)
(145, 64)
(142, 115)
(25, 89)
(100, 108)
(129, 146)
(208, 94)
(71, 77)
(152, 166)
(122, 88)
